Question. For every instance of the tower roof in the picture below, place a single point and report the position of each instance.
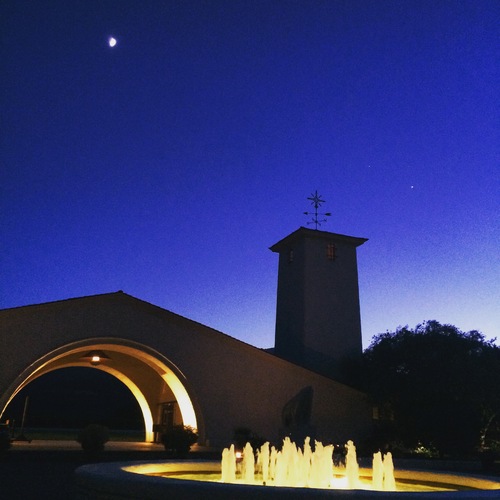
(304, 232)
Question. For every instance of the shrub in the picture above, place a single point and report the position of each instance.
(244, 435)
(179, 439)
(93, 438)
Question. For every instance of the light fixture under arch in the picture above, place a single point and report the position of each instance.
(75, 354)
(95, 357)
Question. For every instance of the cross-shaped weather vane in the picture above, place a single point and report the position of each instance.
(316, 201)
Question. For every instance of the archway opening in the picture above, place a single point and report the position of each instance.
(155, 382)
(60, 402)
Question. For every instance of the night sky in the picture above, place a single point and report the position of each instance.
(167, 165)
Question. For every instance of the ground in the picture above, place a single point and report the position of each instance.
(44, 470)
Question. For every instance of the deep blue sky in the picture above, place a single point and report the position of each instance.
(166, 166)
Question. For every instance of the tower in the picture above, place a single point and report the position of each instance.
(317, 312)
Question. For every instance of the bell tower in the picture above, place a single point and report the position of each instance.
(317, 312)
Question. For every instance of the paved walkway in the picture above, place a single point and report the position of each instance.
(122, 446)
(46, 444)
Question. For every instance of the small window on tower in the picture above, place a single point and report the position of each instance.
(290, 255)
(331, 251)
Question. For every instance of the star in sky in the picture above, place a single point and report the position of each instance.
(233, 110)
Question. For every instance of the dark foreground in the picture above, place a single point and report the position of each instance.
(31, 473)
(35, 473)
(38, 474)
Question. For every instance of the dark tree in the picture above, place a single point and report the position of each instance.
(434, 386)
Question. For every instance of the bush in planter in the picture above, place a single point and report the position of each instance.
(179, 439)
(93, 438)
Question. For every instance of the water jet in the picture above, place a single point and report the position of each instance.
(289, 473)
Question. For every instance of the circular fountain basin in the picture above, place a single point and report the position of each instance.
(169, 479)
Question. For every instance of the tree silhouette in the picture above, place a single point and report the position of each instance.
(434, 386)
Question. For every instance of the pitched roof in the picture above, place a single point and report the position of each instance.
(303, 233)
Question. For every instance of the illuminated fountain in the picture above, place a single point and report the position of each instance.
(304, 468)
(270, 473)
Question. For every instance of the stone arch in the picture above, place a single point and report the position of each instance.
(148, 374)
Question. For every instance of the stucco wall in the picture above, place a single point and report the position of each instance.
(234, 384)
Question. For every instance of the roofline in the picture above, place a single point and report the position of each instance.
(304, 232)
(162, 313)
(122, 296)
(61, 301)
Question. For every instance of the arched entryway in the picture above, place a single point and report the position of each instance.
(156, 383)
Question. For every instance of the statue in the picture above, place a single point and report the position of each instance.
(296, 415)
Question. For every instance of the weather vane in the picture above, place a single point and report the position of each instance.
(316, 201)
